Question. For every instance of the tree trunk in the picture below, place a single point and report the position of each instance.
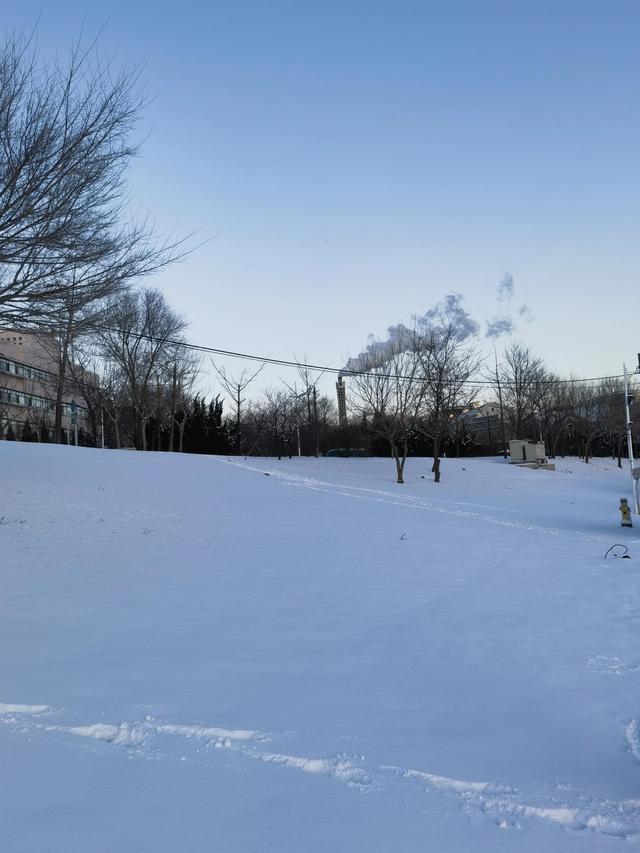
(436, 459)
(238, 404)
(62, 370)
(399, 466)
(502, 429)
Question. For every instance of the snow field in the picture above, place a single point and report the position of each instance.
(318, 659)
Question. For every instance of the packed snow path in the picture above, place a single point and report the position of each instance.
(195, 656)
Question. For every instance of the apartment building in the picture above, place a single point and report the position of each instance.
(28, 381)
(482, 422)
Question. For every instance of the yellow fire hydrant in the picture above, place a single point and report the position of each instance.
(625, 512)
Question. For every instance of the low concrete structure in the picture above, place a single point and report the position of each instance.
(529, 454)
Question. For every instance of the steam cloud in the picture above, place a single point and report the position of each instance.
(449, 312)
(464, 324)
(401, 339)
(526, 314)
(503, 324)
(506, 288)
(499, 326)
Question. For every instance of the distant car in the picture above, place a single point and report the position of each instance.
(345, 452)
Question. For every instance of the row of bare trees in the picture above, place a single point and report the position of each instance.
(569, 415)
(136, 370)
(292, 419)
(413, 390)
(415, 383)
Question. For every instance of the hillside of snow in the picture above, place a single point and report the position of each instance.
(195, 656)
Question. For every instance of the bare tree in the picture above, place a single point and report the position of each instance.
(447, 361)
(181, 374)
(589, 421)
(388, 394)
(279, 420)
(522, 374)
(102, 385)
(140, 339)
(65, 143)
(308, 395)
(494, 378)
(235, 385)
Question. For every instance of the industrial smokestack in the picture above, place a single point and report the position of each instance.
(341, 390)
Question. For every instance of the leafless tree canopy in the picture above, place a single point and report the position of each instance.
(140, 342)
(67, 237)
(235, 386)
(416, 382)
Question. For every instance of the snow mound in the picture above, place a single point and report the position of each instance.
(6, 708)
(124, 734)
(337, 768)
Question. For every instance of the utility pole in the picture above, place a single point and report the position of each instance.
(174, 385)
(628, 399)
(315, 420)
(504, 438)
(238, 404)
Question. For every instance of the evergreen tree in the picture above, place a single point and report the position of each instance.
(27, 433)
(204, 431)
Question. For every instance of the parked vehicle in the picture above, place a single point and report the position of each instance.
(345, 452)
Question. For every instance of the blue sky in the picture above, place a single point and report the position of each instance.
(357, 161)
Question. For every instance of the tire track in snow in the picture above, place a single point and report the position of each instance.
(413, 501)
(505, 805)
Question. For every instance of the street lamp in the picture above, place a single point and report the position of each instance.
(635, 472)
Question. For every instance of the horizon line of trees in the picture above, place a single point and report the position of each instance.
(139, 385)
(72, 259)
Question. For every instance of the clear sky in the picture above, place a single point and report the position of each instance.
(358, 161)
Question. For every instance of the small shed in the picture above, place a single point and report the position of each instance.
(522, 451)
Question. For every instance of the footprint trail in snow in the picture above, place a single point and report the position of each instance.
(506, 805)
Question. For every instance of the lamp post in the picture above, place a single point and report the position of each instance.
(628, 400)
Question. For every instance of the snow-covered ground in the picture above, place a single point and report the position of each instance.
(198, 657)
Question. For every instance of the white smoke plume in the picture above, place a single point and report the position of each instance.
(506, 288)
(503, 323)
(526, 314)
(499, 326)
(446, 314)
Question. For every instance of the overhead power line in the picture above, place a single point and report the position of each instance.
(342, 371)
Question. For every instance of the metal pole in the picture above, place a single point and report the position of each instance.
(634, 482)
(315, 419)
(102, 427)
(75, 433)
